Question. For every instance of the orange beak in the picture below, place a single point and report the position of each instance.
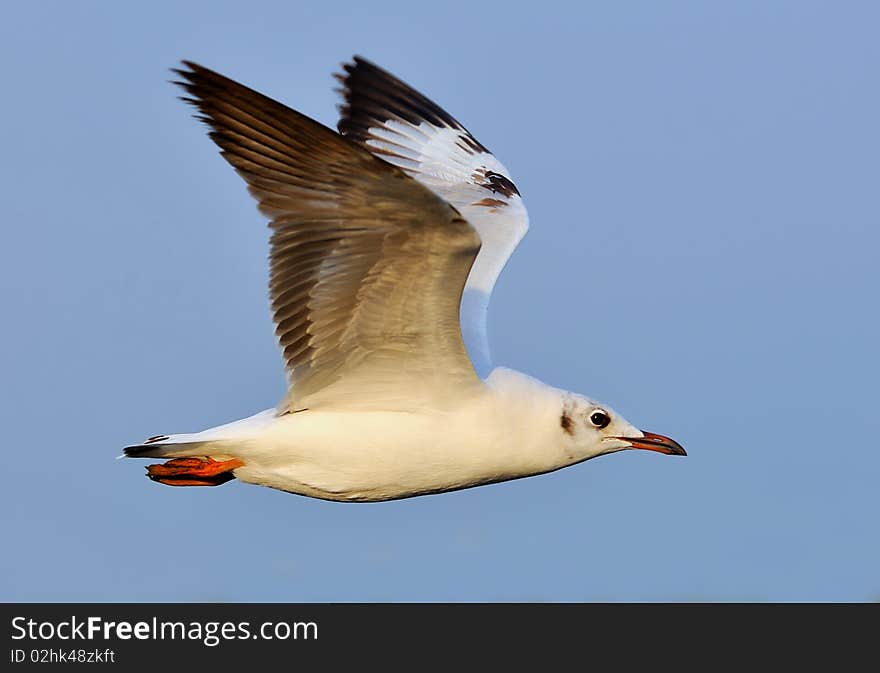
(659, 443)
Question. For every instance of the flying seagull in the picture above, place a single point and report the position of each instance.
(387, 239)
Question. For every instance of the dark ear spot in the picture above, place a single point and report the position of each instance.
(566, 422)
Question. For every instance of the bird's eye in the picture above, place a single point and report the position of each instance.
(600, 418)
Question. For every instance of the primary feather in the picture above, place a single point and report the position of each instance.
(397, 123)
(367, 266)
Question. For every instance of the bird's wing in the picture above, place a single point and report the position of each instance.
(403, 127)
(367, 265)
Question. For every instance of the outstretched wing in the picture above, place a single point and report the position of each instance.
(367, 265)
(403, 127)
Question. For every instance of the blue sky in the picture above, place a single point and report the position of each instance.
(702, 183)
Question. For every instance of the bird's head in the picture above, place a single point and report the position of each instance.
(593, 429)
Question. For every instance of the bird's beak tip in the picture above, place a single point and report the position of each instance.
(654, 442)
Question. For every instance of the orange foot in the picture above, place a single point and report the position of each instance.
(194, 471)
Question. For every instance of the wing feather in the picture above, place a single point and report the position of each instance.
(405, 128)
(367, 266)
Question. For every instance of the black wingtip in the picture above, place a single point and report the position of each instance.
(192, 65)
(373, 96)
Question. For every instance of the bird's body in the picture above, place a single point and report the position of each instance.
(508, 428)
(387, 241)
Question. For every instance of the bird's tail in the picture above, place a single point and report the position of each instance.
(168, 446)
(208, 442)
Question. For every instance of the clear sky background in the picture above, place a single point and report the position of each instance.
(702, 180)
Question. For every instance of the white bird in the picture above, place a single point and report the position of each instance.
(387, 239)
